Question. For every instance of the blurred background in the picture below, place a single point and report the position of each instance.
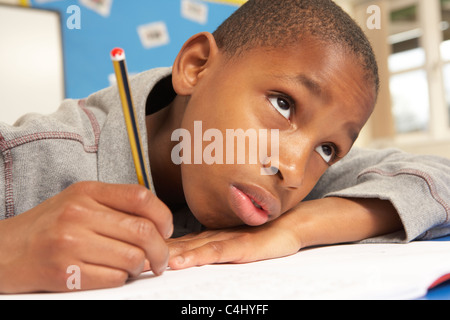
(56, 49)
(412, 43)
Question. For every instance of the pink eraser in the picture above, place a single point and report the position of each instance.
(117, 54)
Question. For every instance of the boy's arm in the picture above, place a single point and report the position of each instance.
(417, 186)
(316, 222)
(375, 196)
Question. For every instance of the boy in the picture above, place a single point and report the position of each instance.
(301, 67)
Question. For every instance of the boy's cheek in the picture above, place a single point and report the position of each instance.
(204, 196)
(294, 198)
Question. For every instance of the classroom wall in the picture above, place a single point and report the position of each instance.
(150, 31)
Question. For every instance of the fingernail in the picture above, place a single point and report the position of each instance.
(164, 267)
(179, 260)
(169, 233)
(160, 272)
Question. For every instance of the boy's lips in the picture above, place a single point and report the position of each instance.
(252, 204)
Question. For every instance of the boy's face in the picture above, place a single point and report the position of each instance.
(316, 97)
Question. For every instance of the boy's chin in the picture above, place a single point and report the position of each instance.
(217, 221)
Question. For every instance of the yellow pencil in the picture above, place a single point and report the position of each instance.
(140, 163)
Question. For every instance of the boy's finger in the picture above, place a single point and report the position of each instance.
(98, 277)
(136, 231)
(210, 253)
(98, 250)
(132, 199)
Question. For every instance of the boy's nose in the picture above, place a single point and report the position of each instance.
(291, 176)
(291, 170)
(290, 163)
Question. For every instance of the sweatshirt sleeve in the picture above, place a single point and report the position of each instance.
(417, 186)
(2, 187)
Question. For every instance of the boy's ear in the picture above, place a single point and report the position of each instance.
(193, 59)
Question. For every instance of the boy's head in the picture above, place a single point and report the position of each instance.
(300, 67)
(277, 24)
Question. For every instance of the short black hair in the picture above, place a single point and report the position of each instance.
(267, 23)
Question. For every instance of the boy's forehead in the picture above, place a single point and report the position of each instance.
(317, 65)
(309, 56)
(325, 72)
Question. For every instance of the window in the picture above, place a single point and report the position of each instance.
(419, 66)
(408, 83)
(445, 49)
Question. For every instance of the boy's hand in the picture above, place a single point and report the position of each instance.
(237, 245)
(108, 231)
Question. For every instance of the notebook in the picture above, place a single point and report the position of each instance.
(353, 271)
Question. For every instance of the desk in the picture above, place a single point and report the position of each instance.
(441, 292)
(345, 272)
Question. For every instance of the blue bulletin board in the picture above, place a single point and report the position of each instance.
(151, 32)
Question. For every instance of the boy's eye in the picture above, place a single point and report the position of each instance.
(327, 152)
(282, 105)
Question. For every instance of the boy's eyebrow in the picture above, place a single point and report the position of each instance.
(312, 85)
(353, 131)
(306, 81)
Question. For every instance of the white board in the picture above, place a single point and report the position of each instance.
(31, 62)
